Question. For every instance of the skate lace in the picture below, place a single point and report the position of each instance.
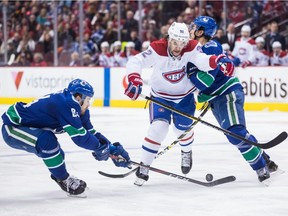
(72, 183)
(186, 159)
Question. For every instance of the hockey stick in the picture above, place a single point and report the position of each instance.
(173, 175)
(204, 109)
(277, 140)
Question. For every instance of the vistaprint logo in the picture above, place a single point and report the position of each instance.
(17, 77)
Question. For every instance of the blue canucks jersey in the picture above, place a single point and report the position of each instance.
(58, 112)
(215, 82)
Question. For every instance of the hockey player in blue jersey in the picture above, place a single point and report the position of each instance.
(32, 127)
(226, 97)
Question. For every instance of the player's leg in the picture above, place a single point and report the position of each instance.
(181, 124)
(45, 145)
(160, 119)
(50, 151)
(229, 112)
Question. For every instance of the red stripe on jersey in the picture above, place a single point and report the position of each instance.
(151, 141)
(190, 137)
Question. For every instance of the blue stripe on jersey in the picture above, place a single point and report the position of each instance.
(149, 150)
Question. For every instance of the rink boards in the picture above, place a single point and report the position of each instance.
(266, 88)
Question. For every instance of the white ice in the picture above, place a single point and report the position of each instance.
(27, 190)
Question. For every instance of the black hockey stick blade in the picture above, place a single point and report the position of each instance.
(277, 140)
(118, 175)
(206, 184)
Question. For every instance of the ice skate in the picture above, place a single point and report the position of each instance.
(141, 175)
(264, 176)
(271, 165)
(72, 185)
(186, 162)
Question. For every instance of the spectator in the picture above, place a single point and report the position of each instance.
(189, 15)
(236, 15)
(274, 35)
(38, 60)
(88, 45)
(251, 13)
(22, 60)
(245, 47)
(278, 56)
(228, 53)
(87, 60)
(128, 51)
(220, 36)
(75, 61)
(42, 17)
(135, 40)
(106, 59)
(116, 51)
(129, 24)
(209, 11)
(230, 36)
(164, 31)
(26, 44)
(111, 34)
(145, 45)
(261, 54)
(153, 27)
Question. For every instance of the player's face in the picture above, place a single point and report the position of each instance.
(277, 50)
(85, 104)
(175, 47)
(260, 45)
(245, 34)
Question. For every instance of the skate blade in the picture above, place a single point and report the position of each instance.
(82, 195)
(139, 182)
(266, 182)
(277, 172)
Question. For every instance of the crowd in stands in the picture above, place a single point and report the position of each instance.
(31, 34)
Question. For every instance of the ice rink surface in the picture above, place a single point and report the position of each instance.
(27, 190)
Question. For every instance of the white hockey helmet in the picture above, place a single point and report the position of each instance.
(276, 44)
(104, 44)
(179, 32)
(130, 44)
(246, 28)
(117, 43)
(260, 40)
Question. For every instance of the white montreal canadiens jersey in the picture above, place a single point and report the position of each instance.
(169, 79)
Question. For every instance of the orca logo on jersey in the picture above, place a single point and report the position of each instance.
(174, 76)
(74, 112)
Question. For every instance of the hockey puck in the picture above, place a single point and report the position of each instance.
(209, 177)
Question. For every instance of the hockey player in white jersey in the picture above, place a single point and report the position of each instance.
(169, 85)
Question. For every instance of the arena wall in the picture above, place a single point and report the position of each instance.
(266, 88)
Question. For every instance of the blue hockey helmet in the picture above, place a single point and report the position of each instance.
(82, 87)
(207, 24)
